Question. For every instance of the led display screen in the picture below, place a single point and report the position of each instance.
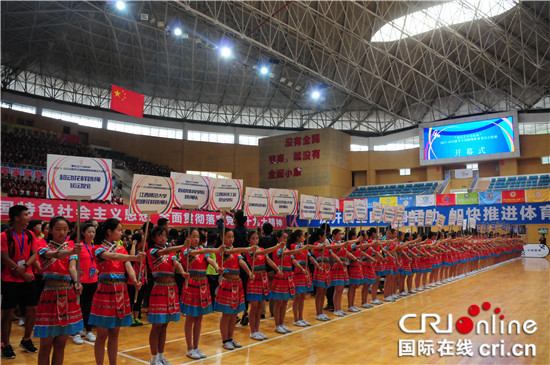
(487, 138)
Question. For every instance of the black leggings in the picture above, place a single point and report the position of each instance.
(136, 307)
(88, 290)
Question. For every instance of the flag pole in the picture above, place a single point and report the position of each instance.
(142, 249)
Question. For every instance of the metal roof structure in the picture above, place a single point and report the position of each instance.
(74, 50)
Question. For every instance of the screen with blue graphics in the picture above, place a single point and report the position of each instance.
(491, 138)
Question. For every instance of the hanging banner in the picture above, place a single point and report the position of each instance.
(377, 211)
(389, 200)
(464, 174)
(46, 209)
(256, 202)
(371, 201)
(425, 200)
(389, 213)
(226, 194)
(513, 197)
(327, 208)
(408, 201)
(400, 214)
(429, 217)
(283, 201)
(537, 196)
(490, 197)
(309, 208)
(445, 200)
(459, 216)
(75, 176)
(348, 215)
(361, 211)
(151, 194)
(190, 191)
(467, 199)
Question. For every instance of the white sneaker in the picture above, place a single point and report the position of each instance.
(306, 322)
(78, 340)
(288, 330)
(326, 318)
(236, 344)
(201, 354)
(388, 299)
(263, 335)
(376, 301)
(340, 313)
(195, 356)
(280, 329)
(412, 291)
(354, 309)
(163, 361)
(404, 294)
(228, 346)
(320, 317)
(82, 333)
(256, 336)
(299, 324)
(432, 285)
(21, 322)
(90, 337)
(367, 305)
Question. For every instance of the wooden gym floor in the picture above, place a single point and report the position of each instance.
(520, 289)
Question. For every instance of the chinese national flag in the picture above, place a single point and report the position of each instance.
(127, 102)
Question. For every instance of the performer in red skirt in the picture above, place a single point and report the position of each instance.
(355, 271)
(164, 301)
(283, 287)
(58, 314)
(195, 299)
(302, 276)
(230, 296)
(369, 273)
(111, 305)
(258, 290)
(321, 279)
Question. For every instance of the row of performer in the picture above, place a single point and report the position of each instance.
(358, 262)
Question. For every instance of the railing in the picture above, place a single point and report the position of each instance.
(474, 182)
(445, 183)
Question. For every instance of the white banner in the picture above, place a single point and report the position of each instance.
(191, 191)
(73, 177)
(464, 173)
(361, 211)
(327, 208)
(377, 211)
(425, 200)
(429, 217)
(400, 215)
(283, 201)
(421, 216)
(452, 217)
(226, 194)
(389, 213)
(348, 215)
(440, 220)
(309, 207)
(256, 202)
(151, 195)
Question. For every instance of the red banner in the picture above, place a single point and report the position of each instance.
(445, 200)
(513, 197)
(46, 209)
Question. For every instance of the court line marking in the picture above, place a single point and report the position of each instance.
(349, 315)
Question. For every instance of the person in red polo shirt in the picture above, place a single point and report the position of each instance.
(18, 249)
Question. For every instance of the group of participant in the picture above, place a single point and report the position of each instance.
(359, 260)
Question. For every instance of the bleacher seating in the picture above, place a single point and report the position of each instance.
(393, 190)
(524, 182)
